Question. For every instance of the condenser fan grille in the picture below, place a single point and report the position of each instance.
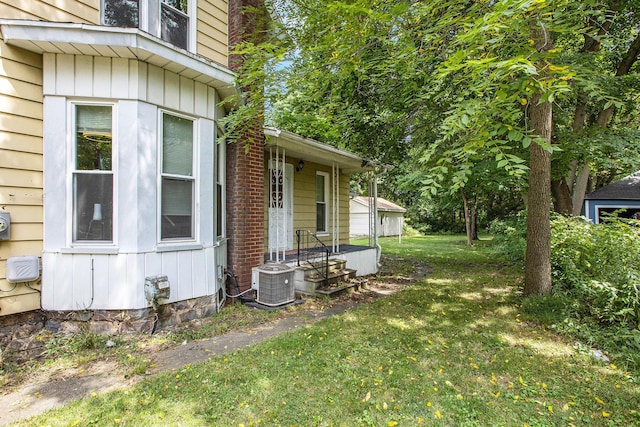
(275, 284)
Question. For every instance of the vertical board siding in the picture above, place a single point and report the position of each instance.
(113, 282)
(86, 11)
(21, 179)
(212, 30)
(118, 78)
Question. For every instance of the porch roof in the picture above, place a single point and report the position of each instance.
(311, 150)
(115, 42)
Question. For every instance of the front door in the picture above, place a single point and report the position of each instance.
(280, 206)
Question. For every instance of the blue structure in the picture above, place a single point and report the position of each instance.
(623, 194)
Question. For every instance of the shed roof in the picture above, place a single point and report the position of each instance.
(383, 204)
(628, 188)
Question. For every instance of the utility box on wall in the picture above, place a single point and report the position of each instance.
(23, 269)
(5, 226)
(157, 287)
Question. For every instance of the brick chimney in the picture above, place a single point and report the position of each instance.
(245, 167)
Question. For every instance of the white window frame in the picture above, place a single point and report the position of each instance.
(326, 176)
(71, 172)
(149, 19)
(220, 182)
(195, 202)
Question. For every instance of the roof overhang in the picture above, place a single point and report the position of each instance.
(115, 42)
(310, 150)
(383, 205)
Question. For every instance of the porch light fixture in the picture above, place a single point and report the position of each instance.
(300, 165)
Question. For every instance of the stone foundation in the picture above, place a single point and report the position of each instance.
(20, 339)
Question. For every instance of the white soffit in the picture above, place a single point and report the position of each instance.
(115, 42)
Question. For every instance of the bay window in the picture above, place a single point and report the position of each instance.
(177, 186)
(92, 174)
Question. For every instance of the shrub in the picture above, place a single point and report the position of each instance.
(509, 237)
(599, 264)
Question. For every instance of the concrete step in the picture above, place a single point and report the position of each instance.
(337, 288)
(334, 276)
(335, 266)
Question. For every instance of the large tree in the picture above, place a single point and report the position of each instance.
(466, 81)
(599, 132)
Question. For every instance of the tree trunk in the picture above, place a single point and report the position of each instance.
(467, 217)
(580, 189)
(474, 220)
(537, 278)
(576, 181)
(538, 252)
(561, 196)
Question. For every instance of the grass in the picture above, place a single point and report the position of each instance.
(453, 349)
(130, 353)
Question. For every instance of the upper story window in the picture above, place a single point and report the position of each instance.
(174, 22)
(166, 19)
(122, 13)
(92, 174)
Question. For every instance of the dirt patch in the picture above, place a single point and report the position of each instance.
(45, 389)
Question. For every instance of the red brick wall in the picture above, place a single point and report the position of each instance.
(245, 179)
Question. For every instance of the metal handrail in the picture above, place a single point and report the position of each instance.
(309, 246)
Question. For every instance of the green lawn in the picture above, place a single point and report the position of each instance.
(454, 349)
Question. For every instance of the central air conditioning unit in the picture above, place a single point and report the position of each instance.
(274, 284)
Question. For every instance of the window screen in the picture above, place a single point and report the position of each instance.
(93, 174)
(177, 200)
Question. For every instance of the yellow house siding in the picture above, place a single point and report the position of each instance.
(213, 30)
(21, 179)
(87, 11)
(304, 201)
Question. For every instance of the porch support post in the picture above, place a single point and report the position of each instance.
(375, 219)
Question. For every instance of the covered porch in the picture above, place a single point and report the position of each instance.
(307, 210)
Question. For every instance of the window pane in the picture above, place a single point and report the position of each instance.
(321, 215)
(93, 137)
(177, 209)
(219, 210)
(320, 188)
(93, 207)
(181, 5)
(121, 13)
(177, 145)
(174, 25)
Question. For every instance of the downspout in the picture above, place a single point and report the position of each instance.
(337, 207)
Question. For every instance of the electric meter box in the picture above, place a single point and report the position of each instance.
(5, 226)
(23, 269)
(157, 287)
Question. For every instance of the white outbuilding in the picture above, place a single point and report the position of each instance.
(390, 217)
